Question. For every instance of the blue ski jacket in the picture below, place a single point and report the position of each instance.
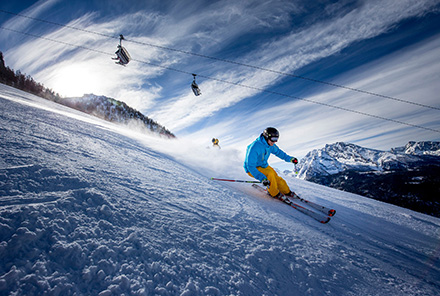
(257, 155)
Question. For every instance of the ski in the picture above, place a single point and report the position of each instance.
(325, 210)
(229, 180)
(317, 216)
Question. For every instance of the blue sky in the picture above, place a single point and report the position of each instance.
(390, 48)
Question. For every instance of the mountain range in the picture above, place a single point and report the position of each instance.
(408, 176)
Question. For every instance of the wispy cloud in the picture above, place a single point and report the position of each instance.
(223, 29)
(305, 126)
(290, 53)
(81, 59)
(20, 23)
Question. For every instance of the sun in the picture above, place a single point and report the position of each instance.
(75, 80)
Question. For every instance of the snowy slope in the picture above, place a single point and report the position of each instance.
(89, 208)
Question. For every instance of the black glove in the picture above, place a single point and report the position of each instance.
(266, 182)
(294, 160)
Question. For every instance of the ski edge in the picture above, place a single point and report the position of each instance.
(317, 216)
(329, 212)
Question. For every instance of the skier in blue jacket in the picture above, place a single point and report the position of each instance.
(256, 164)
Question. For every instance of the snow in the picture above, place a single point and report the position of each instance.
(422, 148)
(92, 208)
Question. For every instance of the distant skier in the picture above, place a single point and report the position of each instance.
(215, 143)
(256, 164)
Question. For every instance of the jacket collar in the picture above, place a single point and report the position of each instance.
(263, 141)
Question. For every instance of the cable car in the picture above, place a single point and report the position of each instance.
(195, 88)
(122, 55)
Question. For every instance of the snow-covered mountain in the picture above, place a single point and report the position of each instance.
(90, 208)
(407, 176)
(419, 148)
(339, 157)
(115, 111)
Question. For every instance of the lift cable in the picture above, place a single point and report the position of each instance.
(232, 62)
(231, 83)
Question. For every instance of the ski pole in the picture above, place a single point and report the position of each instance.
(228, 180)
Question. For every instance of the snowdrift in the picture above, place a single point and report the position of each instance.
(89, 208)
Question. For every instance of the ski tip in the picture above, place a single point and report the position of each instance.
(331, 213)
(325, 221)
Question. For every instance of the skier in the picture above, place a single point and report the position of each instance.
(215, 143)
(256, 164)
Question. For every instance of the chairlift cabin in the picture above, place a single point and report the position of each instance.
(122, 55)
(195, 88)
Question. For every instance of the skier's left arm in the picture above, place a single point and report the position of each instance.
(283, 155)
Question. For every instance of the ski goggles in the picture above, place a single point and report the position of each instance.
(273, 139)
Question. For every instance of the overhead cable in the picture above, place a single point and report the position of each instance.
(232, 62)
(232, 83)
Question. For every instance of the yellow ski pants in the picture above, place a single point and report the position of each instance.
(277, 184)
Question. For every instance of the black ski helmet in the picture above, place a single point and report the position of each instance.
(271, 133)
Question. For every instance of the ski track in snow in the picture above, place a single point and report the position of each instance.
(87, 209)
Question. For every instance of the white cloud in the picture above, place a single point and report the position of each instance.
(288, 54)
(305, 126)
(210, 28)
(34, 11)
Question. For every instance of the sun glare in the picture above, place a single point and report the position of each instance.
(75, 80)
